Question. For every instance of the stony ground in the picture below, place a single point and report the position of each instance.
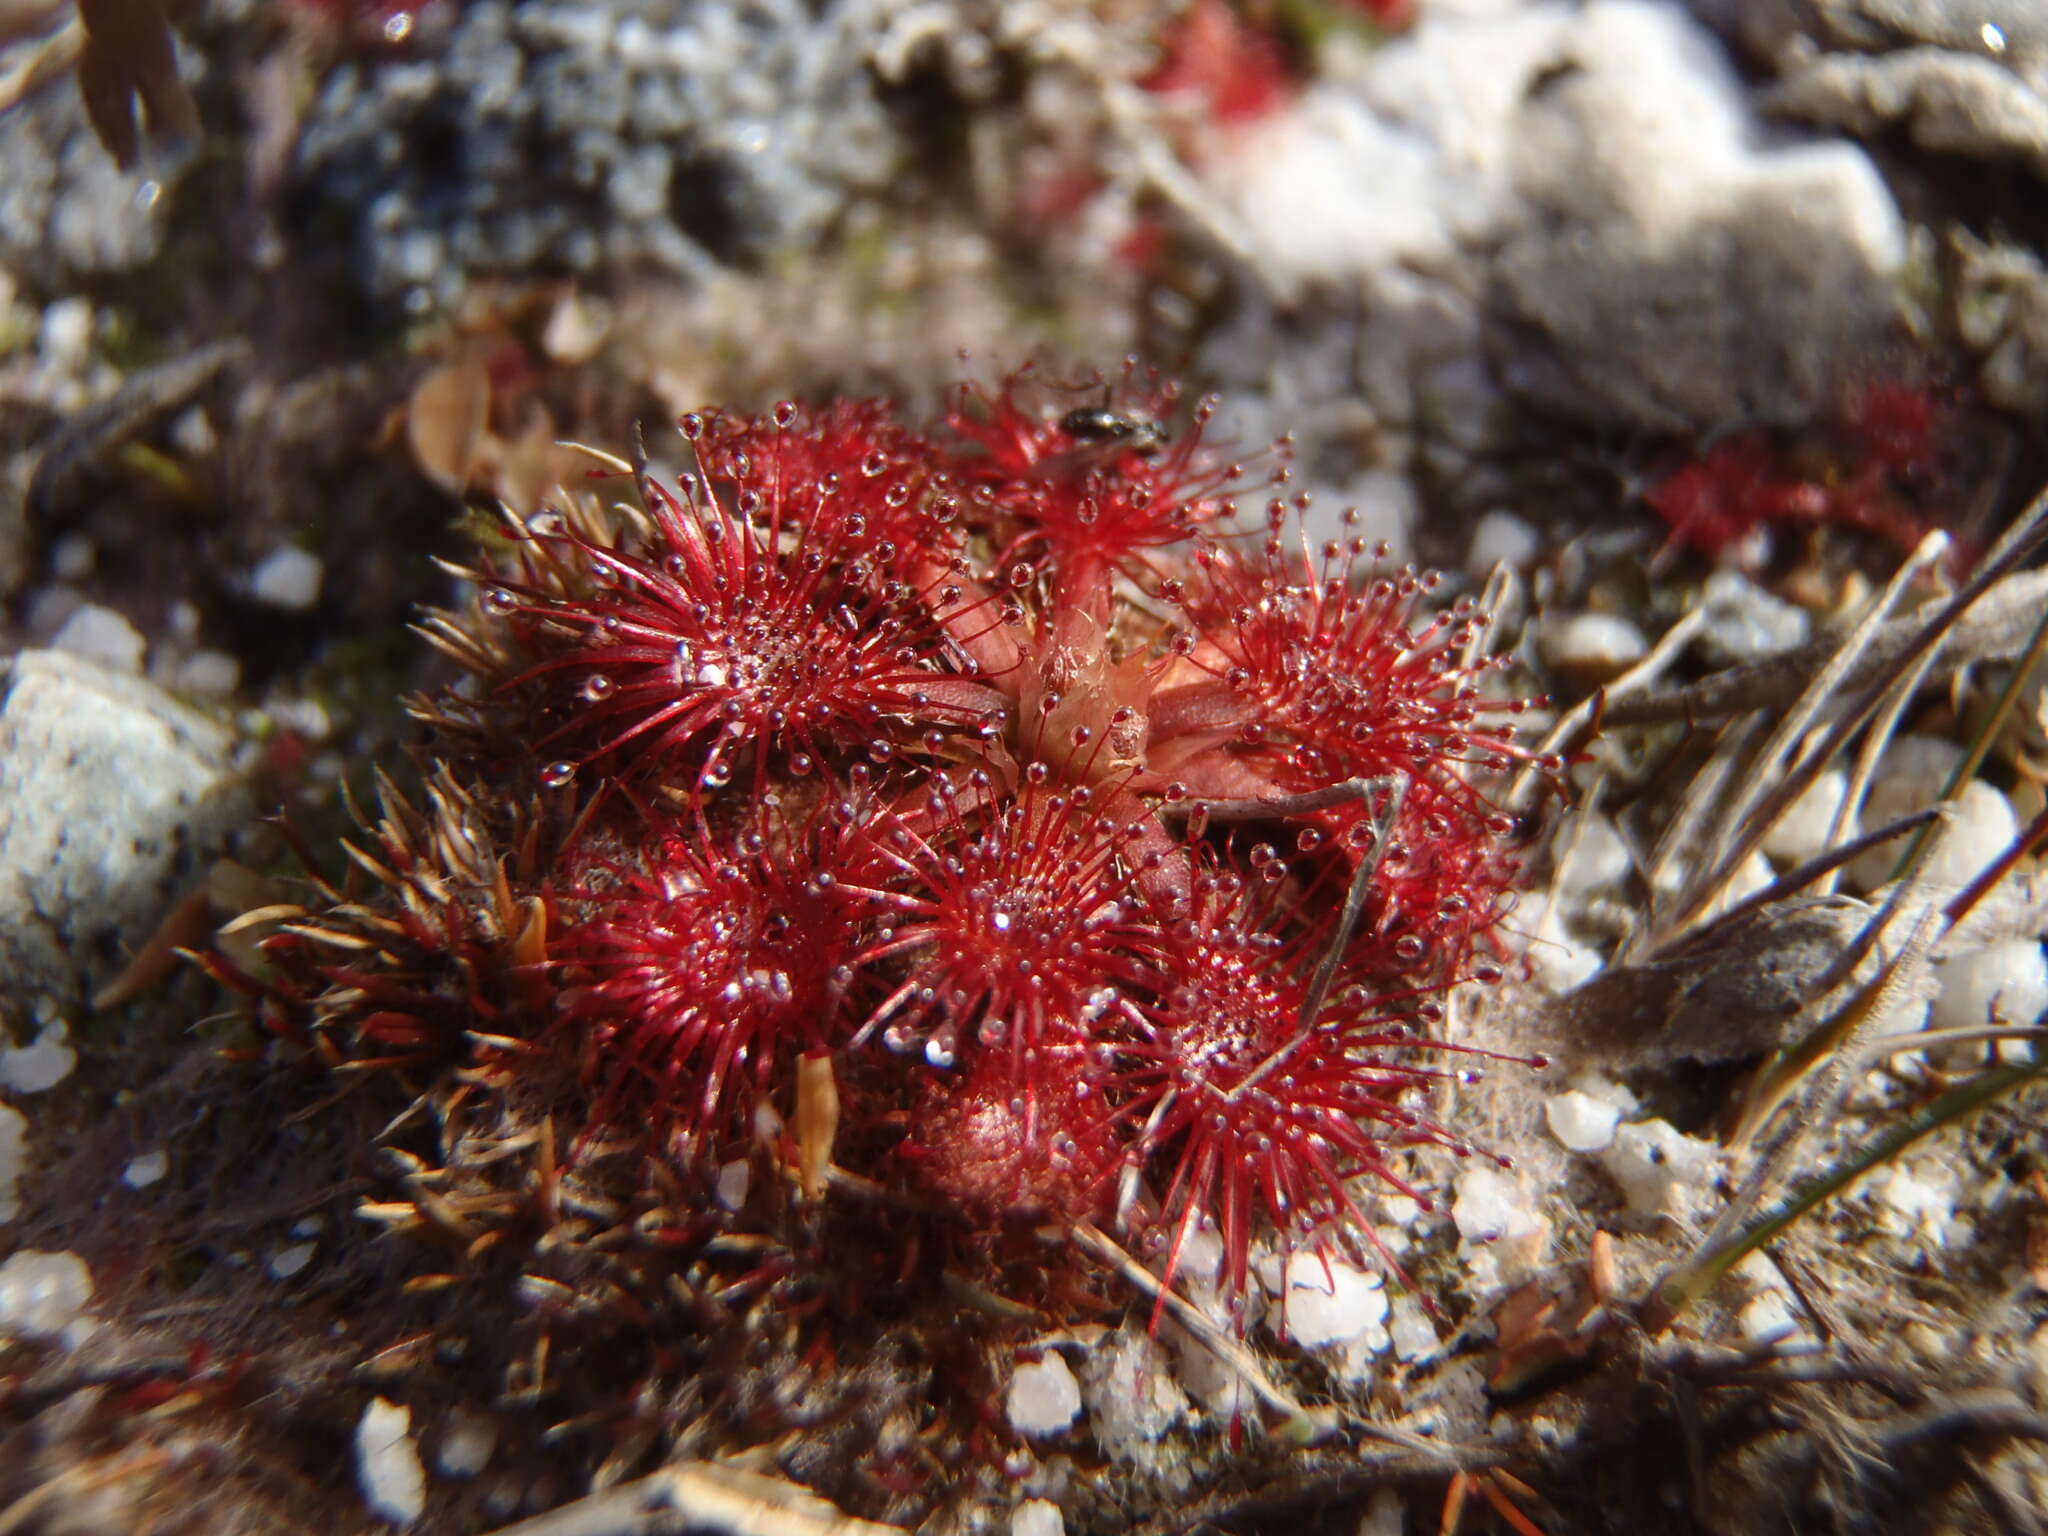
(1671, 331)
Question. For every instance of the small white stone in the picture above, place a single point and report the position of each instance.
(1607, 1091)
(1329, 1302)
(192, 433)
(288, 1261)
(1037, 1517)
(1984, 826)
(1044, 1399)
(1501, 538)
(1559, 961)
(1909, 778)
(1580, 1122)
(1414, 1335)
(467, 1443)
(43, 1295)
(1128, 1384)
(1594, 645)
(41, 1064)
(13, 1159)
(1802, 832)
(388, 1469)
(2005, 984)
(207, 674)
(101, 635)
(146, 1170)
(72, 557)
(1748, 623)
(66, 332)
(1497, 1220)
(1657, 1167)
(733, 1179)
(289, 578)
(1767, 1319)
(1917, 1201)
(1599, 857)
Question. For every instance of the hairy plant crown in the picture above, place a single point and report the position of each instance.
(983, 813)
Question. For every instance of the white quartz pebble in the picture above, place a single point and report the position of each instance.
(288, 578)
(1657, 1167)
(1580, 1122)
(388, 1469)
(1801, 833)
(1501, 538)
(2005, 984)
(1045, 1399)
(1592, 856)
(1328, 1302)
(42, 1295)
(1592, 645)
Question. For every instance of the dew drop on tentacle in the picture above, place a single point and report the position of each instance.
(499, 601)
(558, 774)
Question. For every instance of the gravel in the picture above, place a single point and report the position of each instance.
(114, 799)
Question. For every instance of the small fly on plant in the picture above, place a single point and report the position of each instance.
(1127, 433)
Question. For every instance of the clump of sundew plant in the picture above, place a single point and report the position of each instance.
(884, 847)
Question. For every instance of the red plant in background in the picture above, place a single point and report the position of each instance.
(1236, 71)
(1878, 466)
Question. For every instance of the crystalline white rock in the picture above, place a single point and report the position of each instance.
(1037, 1517)
(209, 674)
(1599, 858)
(733, 1179)
(388, 1469)
(1413, 1334)
(13, 1159)
(1044, 1399)
(1657, 1166)
(1917, 1200)
(1491, 1207)
(101, 635)
(41, 1064)
(1560, 962)
(1329, 1301)
(1802, 832)
(288, 1261)
(66, 332)
(146, 1170)
(1580, 1122)
(2004, 984)
(1766, 1319)
(1132, 1397)
(1598, 644)
(467, 1443)
(1910, 777)
(1984, 825)
(1501, 538)
(1594, 1086)
(1748, 623)
(289, 578)
(43, 1295)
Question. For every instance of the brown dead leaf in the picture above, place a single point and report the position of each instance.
(445, 421)
(130, 58)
